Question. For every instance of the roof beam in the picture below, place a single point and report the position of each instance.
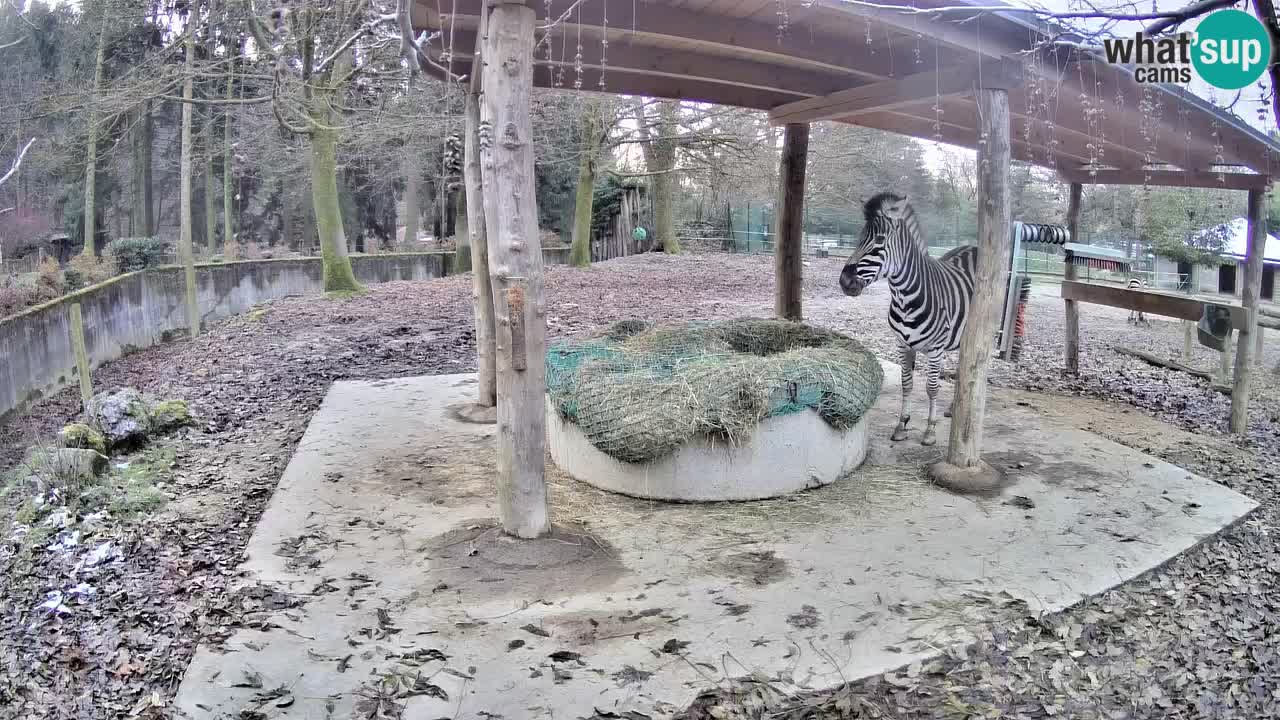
(966, 137)
(890, 94)
(1168, 178)
(626, 82)
(664, 62)
(959, 36)
(831, 53)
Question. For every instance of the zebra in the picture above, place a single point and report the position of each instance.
(930, 297)
(1135, 316)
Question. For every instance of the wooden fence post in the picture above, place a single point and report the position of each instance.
(789, 254)
(963, 468)
(1072, 344)
(481, 287)
(1249, 297)
(515, 257)
(82, 355)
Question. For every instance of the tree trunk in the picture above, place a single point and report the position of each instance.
(91, 147)
(580, 249)
(965, 448)
(286, 215)
(148, 188)
(210, 186)
(412, 207)
(789, 255)
(451, 212)
(481, 284)
(338, 275)
(1188, 327)
(660, 157)
(229, 247)
(137, 201)
(516, 255)
(185, 252)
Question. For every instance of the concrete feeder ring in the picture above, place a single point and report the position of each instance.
(734, 410)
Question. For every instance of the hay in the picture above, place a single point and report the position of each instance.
(640, 392)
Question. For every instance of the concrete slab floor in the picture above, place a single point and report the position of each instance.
(383, 526)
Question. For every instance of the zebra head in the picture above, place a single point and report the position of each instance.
(884, 216)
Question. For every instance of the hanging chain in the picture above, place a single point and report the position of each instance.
(546, 38)
(937, 95)
(577, 59)
(604, 42)
(1146, 116)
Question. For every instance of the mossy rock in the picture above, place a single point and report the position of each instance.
(169, 415)
(81, 436)
(122, 416)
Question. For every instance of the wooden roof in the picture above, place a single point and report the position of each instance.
(881, 66)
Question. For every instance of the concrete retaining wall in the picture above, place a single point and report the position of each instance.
(141, 309)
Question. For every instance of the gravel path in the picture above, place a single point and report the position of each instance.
(1199, 638)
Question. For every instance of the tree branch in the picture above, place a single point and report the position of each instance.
(17, 163)
(1195, 9)
(1266, 10)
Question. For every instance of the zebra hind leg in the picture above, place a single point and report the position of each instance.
(908, 380)
(931, 386)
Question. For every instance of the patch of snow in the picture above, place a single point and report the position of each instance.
(65, 542)
(54, 603)
(83, 590)
(100, 554)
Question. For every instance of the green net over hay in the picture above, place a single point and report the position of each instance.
(639, 392)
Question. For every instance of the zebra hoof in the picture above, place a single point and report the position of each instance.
(929, 439)
(947, 413)
(899, 434)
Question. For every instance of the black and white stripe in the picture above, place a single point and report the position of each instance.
(930, 297)
(1136, 316)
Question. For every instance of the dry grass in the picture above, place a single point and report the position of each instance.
(640, 393)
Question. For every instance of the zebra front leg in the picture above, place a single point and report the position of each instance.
(908, 379)
(931, 387)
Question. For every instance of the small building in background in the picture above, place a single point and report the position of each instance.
(1228, 278)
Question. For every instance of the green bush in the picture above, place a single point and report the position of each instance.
(137, 253)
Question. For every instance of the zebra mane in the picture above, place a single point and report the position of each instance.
(873, 207)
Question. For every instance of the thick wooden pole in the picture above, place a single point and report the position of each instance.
(481, 288)
(789, 255)
(82, 356)
(965, 449)
(515, 259)
(1072, 344)
(1249, 299)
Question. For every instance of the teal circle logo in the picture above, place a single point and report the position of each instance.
(1232, 49)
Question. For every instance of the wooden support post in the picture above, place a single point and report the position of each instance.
(963, 468)
(1072, 344)
(1188, 327)
(1224, 361)
(1249, 297)
(481, 285)
(515, 266)
(1259, 341)
(82, 355)
(789, 256)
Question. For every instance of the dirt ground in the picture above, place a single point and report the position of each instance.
(1198, 638)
